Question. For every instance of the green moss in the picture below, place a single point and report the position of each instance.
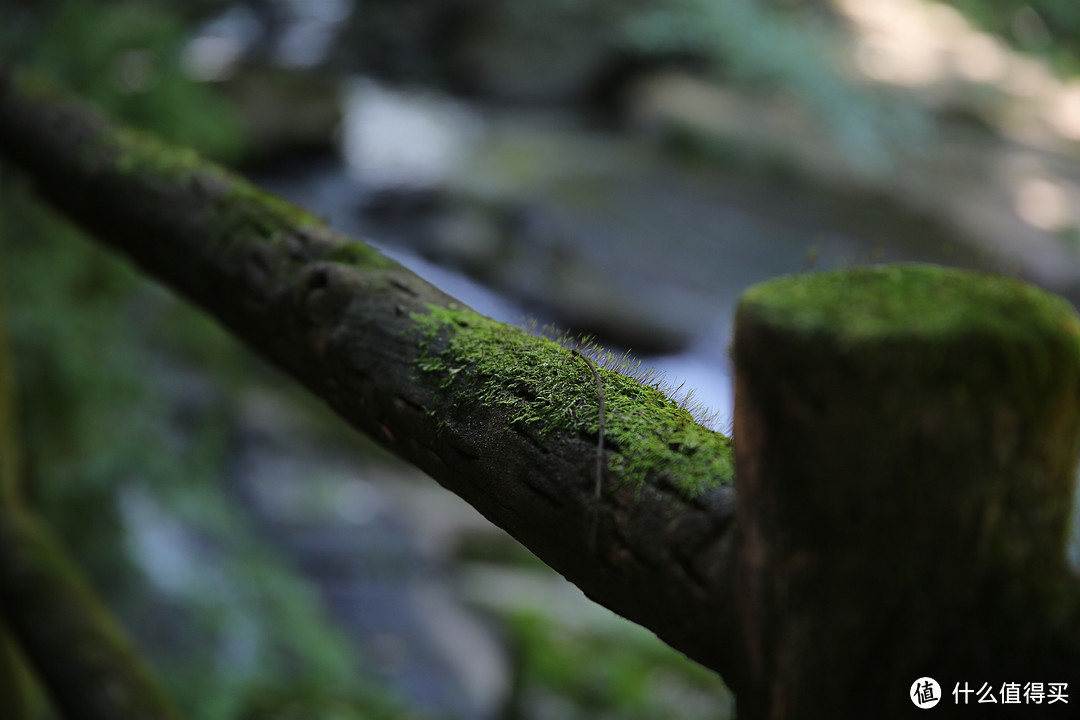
(266, 212)
(143, 152)
(612, 669)
(543, 386)
(975, 330)
(242, 207)
(243, 211)
(905, 301)
(360, 255)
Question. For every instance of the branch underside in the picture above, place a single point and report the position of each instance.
(77, 650)
(391, 354)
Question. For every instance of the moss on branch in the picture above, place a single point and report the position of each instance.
(543, 387)
(404, 363)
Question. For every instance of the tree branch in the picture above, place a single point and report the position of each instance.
(50, 616)
(506, 420)
(76, 648)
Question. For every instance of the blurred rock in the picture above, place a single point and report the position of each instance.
(286, 112)
(521, 251)
(405, 139)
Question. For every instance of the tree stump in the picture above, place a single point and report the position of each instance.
(906, 440)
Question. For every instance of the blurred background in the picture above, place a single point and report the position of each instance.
(622, 168)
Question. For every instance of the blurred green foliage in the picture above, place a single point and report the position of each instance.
(1048, 28)
(620, 675)
(125, 56)
(751, 44)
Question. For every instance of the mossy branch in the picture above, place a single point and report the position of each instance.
(9, 444)
(21, 698)
(500, 417)
(50, 618)
(76, 649)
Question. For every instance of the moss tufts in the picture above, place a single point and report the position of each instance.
(543, 387)
(358, 254)
(269, 214)
(243, 209)
(140, 152)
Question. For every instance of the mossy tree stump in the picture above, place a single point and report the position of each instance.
(906, 439)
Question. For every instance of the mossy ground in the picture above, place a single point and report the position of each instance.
(544, 387)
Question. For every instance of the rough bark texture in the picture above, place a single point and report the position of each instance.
(906, 441)
(354, 327)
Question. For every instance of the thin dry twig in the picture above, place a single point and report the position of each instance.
(595, 524)
(600, 439)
